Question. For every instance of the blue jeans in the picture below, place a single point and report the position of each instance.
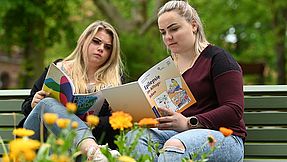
(50, 105)
(231, 148)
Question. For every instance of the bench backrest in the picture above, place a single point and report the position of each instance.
(10, 112)
(265, 117)
(266, 120)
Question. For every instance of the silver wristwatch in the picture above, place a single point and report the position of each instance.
(192, 122)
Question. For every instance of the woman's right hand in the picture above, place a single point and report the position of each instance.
(38, 97)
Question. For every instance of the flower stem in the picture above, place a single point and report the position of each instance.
(3, 146)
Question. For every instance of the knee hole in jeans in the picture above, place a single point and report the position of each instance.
(174, 145)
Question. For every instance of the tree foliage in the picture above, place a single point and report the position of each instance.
(252, 22)
(252, 31)
(33, 26)
(258, 27)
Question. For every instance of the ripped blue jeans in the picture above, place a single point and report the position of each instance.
(231, 148)
(50, 105)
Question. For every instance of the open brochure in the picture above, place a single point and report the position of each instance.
(160, 86)
(61, 87)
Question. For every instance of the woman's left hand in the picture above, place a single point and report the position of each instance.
(172, 120)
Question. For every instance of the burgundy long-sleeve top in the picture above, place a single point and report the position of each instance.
(216, 83)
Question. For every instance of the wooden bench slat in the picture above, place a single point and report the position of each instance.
(265, 118)
(7, 119)
(265, 102)
(264, 88)
(6, 134)
(267, 134)
(260, 90)
(14, 93)
(11, 105)
(266, 149)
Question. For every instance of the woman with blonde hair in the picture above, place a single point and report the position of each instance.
(94, 64)
(214, 78)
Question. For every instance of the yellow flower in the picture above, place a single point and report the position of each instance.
(71, 107)
(93, 120)
(74, 124)
(211, 141)
(22, 132)
(126, 159)
(29, 155)
(120, 120)
(148, 122)
(5, 158)
(63, 123)
(225, 131)
(60, 142)
(21, 147)
(50, 118)
(64, 158)
(54, 158)
(60, 158)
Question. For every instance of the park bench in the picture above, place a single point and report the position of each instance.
(265, 116)
(10, 112)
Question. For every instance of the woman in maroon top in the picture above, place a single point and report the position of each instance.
(214, 78)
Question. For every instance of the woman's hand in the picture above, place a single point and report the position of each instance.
(38, 97)
(172, 120)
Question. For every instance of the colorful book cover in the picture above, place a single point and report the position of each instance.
(61, 87)
(160, 86)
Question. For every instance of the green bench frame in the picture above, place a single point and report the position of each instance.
(265, 117)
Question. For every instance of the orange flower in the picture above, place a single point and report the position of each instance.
(211, 141)
(93, 120)
(74, 124)
(148, 122)
(63, 123)
(22, 132)
(120, 120)
(50, 118)
(225, 131)
(71, 107)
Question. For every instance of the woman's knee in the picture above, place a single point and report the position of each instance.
(50, 105)
(48, 101)
(42, 103)
(174, 145)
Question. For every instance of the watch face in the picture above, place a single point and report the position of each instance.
(193, 121)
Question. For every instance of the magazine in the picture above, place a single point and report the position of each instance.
(61, 87)
(160, 86)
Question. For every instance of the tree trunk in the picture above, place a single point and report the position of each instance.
(33, 63)
(279, 26)
(139, 22)
(281, 60)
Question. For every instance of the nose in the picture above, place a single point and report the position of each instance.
(168, 36)
(101, 47)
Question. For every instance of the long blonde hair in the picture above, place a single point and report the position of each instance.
(190, 15)
(109, 74)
